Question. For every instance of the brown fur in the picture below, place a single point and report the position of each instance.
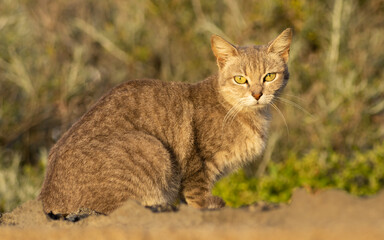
(155, 141)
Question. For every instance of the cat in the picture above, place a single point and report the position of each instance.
(160, 142)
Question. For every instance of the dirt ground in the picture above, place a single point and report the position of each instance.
(329, 214)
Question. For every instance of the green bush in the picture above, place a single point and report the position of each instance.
(361, 174)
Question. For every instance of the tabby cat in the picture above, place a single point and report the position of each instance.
(160, 142)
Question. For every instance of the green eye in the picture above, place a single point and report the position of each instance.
(240, 79)
(270, 77)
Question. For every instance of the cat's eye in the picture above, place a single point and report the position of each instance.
(240, 79)
(270, 77)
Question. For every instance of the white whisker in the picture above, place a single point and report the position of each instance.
(293, 96)
(294, 104)
(235, 114)
(232, 113)
(281, 115)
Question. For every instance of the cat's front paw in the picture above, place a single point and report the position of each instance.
(205, 202)
(214, 202)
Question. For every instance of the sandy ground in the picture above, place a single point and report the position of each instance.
(329, 214)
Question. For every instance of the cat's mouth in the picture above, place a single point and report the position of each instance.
(257, 104)
(259, 101)
(263, 100)
(260, 105)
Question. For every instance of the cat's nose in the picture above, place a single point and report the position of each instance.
(257, 95)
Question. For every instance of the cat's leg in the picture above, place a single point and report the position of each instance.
(197, 192)
(106, 171)
(153, 176)
(133, 166)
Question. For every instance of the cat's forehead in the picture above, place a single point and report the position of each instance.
(257, 55)
(253, 52)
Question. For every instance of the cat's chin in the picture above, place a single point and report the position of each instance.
(258, 106)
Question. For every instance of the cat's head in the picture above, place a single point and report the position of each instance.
(252, 76)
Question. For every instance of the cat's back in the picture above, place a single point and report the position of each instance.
(145, 105)
(141, 94)
(135, 104)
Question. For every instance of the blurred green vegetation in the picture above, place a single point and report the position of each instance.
(361, 174)
(58, 57)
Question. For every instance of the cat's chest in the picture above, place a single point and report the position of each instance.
(247, 143)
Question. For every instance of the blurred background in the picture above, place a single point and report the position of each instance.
(58, 57)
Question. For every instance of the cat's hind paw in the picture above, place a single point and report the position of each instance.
(162, 208)
(74, 217)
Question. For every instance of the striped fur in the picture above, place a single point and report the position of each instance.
(156, 142)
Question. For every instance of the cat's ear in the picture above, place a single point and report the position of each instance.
(281, 44)
(222, 49)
